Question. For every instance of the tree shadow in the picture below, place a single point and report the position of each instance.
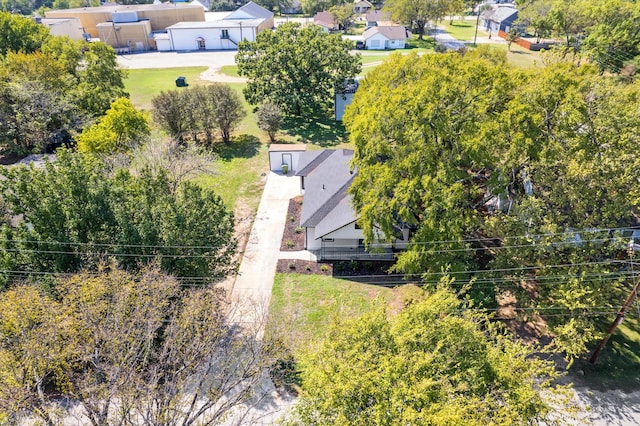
(323, 131)
(242, 146)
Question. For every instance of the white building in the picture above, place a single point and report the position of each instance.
(385, 37)
(221, 34)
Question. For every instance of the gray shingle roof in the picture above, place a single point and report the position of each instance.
(378, 15)
(391, 32)
(500, 13)
(254, 10)
(327, 177)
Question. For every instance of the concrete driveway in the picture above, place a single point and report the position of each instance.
(258, 264)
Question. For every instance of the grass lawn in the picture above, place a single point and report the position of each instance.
(520, 56)
(618, 366)
(144, 84)
(462, 30)
(230, 70)
(313, 301)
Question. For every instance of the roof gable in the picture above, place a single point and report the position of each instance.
(250, 11)
(395, 32)
(325, 19)
(327, 178)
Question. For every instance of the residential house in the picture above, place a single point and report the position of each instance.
(385, 37)
(328, 217)
(499, 18)
(377, 17)
(362, 6)
(293, 8)
(221, 34)
(326, 21)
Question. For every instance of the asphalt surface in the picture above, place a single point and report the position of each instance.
(211, 58)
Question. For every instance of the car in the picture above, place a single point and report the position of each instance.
(359, 45)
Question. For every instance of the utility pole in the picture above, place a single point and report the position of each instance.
(620, 317)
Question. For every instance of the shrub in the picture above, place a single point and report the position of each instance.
(299, 229)
(289, 244)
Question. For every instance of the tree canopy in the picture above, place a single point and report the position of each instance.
(513, 177)
(75, 213)
(74, 82)
(605, 31)
(121, 128)
(200, 109)
(124, 347)
(433, 363)
(296, 67)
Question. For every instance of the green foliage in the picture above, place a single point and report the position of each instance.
(20, 34)
(199, 109)
(434, 363)
(416, 13)
(344, 15)
(48, 95)
(269, 118)
(74, 213)
(121, 128)
(123, 346)
(514, 175)
(100, 79)
(295, 67)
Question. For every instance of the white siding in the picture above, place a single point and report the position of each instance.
(276, 159)
(395, 44)
(376, 42)
(312, 243)
(186, 38)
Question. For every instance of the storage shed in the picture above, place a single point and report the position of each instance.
(289, 154)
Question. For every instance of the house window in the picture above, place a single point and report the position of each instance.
(225, 34)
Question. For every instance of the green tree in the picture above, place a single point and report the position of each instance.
(201, 109)
(75, 213)
(169, 112)
(269, 117)
(20, 34)
(128, 346)
(512, 35)
(515, 180)
(613, 40)
(29, 328)
(100, 80)
(414, 127)
(227, 109)
(119, 130)
(434, 363)
(416, 13)
(343, 15)
(295, 67)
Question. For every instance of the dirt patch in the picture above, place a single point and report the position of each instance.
(293, 235)
(297, 266)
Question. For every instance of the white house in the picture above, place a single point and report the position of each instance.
(330, 222)
(385, 37)
(221, 34)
